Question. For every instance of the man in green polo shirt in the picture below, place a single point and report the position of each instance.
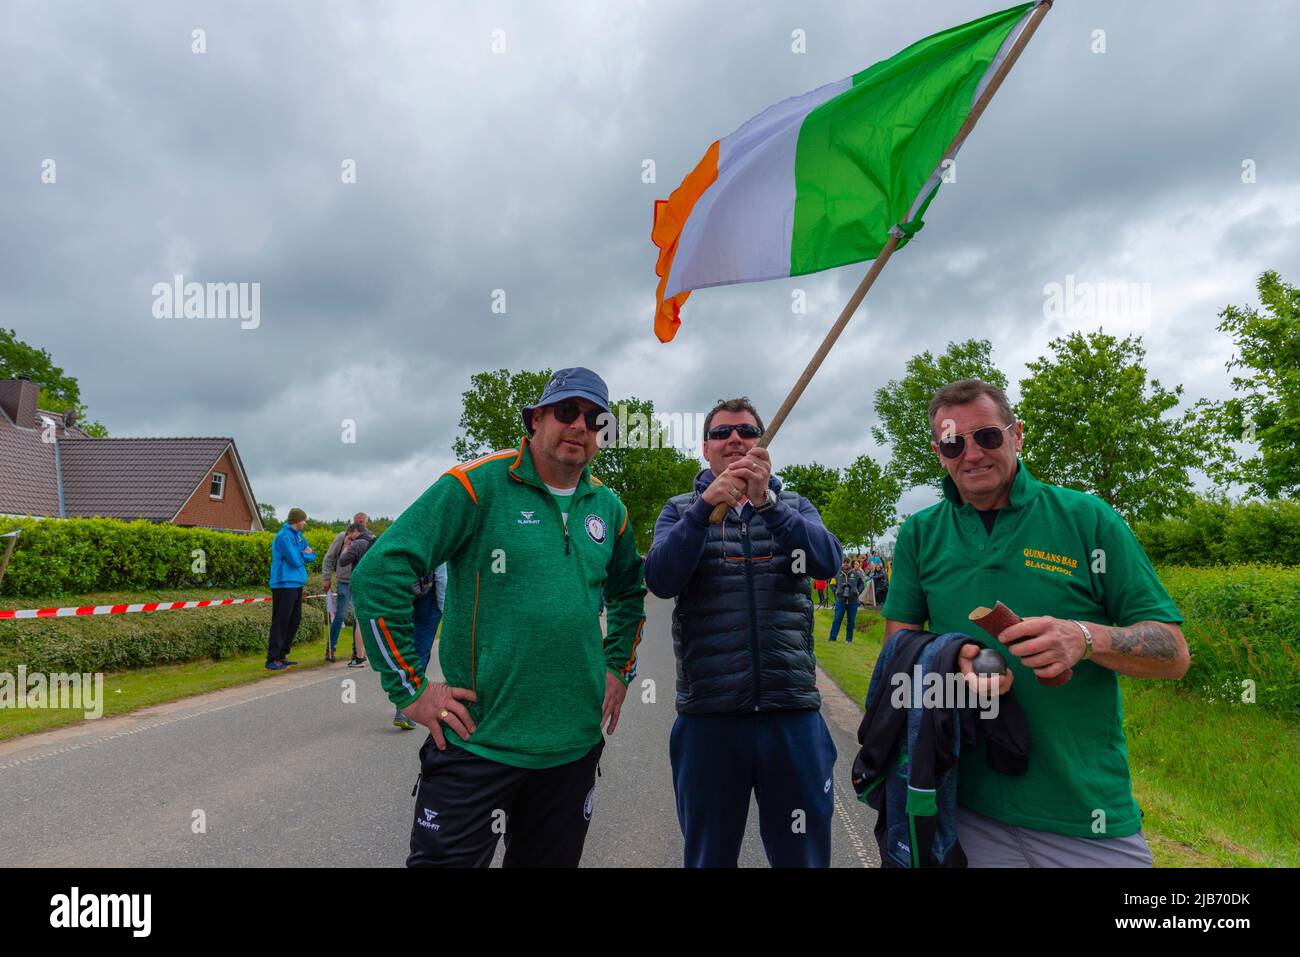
(1066, 563)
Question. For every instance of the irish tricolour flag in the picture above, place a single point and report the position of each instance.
(819, 180)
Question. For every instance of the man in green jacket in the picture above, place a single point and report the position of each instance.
(530, 539)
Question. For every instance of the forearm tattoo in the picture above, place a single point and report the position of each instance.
(1147, 640)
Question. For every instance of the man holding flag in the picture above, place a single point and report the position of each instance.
(839, 175)
(748, 709)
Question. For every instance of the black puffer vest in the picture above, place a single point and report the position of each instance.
(742, 627)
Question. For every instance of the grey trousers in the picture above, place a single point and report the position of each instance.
(990, 843)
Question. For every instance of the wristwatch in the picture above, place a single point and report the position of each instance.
(1087, 640)
(768, 503)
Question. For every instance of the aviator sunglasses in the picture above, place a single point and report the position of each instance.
(721, 432)
(989, 438)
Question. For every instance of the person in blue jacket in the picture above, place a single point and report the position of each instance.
(290, 554)
(748, 709)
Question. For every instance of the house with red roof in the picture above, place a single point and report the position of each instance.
(49, 467)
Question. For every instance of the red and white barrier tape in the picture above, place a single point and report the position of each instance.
(76, 611)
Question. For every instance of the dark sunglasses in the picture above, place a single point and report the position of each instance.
(989, 438)
(568, 412)
(720, 432)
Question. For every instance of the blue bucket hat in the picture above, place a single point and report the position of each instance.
(575, 383)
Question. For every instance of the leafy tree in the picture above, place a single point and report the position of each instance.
(269, 521)
(59, 391)
(1093, 422)
(864, 504)
(814, 482)
(643, 469)
(903, 406)
(88, 425)
(1267, 413)
(490, 410)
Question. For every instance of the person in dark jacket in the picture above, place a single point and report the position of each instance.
(346, 563)
(881, 581)
(748, 709)
(848, 594)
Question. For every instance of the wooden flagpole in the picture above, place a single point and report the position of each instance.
(850, 307)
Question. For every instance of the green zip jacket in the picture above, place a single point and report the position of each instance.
(521, 622)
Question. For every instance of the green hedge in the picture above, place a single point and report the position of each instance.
(121, 642)
(1242, 623)
(1218, 532)
(80, 555)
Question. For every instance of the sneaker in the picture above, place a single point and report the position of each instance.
(403, 722)
(286, 662)
(276, 666)
(329, 656)
(357, 663)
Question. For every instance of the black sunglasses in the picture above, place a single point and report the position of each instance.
(720, 432)
(989, 438)
(568, 412)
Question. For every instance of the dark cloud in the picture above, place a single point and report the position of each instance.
(522, 172)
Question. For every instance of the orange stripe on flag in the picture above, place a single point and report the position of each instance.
(669, 218)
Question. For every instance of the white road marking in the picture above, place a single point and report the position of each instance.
(859, 848)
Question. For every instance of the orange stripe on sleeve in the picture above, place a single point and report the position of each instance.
(460, 471)
(464, 480)
(632, 660)
(397, 656)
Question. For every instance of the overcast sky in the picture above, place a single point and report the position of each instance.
(522, 171)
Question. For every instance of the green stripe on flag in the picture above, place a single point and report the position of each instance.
(863, 157)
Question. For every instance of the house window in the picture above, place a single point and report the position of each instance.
(218, 489)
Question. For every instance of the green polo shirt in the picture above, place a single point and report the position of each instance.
(1053, 551)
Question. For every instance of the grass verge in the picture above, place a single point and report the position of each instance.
(127, 691)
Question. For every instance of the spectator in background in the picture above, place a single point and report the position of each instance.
(820, 587)
(848, 592)
(348, 561)
(342, 578)
(290, 555)
(880, 579)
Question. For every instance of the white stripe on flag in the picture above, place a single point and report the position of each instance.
(740, 229)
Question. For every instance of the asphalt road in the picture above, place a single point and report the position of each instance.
(286, 773)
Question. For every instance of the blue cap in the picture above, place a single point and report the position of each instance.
(575, 383)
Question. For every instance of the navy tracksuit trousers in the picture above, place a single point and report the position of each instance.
(786, 758)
